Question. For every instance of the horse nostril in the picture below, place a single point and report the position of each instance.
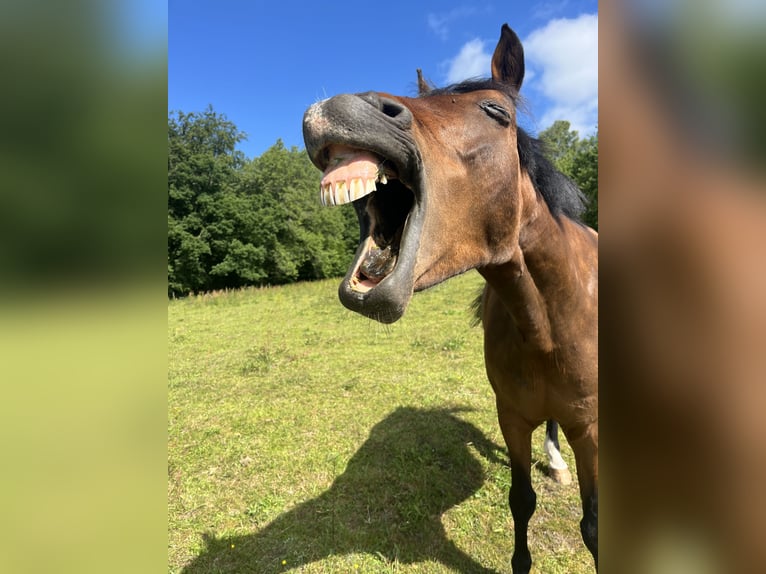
(398, 112)
(391, 108)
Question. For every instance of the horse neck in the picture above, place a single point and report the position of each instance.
(551, 273)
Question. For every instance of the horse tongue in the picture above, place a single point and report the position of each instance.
(350, 175)
(378, 263)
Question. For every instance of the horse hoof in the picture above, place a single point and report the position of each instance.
(561, 475)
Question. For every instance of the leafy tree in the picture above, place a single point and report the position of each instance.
(303, 239)
(202, 169)
(234, 222)
(584, 171)
(578, 159)
(561, 144)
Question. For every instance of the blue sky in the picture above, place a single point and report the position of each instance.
(262, 63)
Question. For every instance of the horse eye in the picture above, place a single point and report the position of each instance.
(496, 112)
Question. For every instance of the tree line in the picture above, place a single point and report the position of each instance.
(578, 159)
(235, 222)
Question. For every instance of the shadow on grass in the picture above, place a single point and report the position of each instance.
(415, 465)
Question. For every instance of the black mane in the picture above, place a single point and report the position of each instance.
(560, 193)
(473, 86)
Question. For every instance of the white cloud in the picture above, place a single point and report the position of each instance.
(582, 118)
(439, 23)
(471, 61)
(564, 53)
(544, 10)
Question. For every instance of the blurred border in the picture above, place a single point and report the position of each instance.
(682, 217)
(82, 288)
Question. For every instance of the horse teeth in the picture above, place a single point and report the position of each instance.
(342, 191)
(357, 188)
(349, 192)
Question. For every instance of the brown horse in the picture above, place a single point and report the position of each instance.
(447, 182)
(557, 468)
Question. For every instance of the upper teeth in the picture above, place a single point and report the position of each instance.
(343, 191)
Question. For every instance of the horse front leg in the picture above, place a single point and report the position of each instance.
(521, 498)
(584, 443)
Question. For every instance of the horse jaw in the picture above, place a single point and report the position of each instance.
(381, 278)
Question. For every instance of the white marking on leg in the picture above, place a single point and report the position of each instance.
(555, 460)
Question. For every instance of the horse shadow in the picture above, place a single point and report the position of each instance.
(415, 465)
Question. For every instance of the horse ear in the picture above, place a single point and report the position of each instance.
(423, 85)
(508, 59)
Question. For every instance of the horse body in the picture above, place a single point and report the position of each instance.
(541, 348)
(444, 183)
(538, 358)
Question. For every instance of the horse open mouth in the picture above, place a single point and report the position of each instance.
(365, 146)
(383, 204)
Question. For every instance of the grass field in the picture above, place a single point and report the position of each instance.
(305, 438)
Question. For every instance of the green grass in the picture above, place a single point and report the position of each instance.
(305, 438)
